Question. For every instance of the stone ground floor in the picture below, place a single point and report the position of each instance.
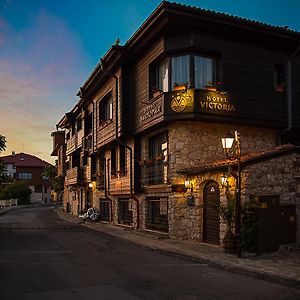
(270, 202)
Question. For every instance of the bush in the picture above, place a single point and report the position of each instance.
(17, 190)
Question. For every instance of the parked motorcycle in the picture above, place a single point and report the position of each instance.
(90, 215)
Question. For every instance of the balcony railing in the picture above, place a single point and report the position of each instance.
(72, 176)
(87, 173)
(71, 144)
(154, 172)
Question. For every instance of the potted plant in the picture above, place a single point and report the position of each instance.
(211, 86)
(179, 86)
(227, 213)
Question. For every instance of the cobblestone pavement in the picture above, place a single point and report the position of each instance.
(281, 267)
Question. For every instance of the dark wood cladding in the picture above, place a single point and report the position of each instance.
(104, 132)
(151, 114)
(141, 82)
(245, 69)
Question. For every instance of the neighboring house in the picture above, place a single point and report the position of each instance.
(152, 113)
(28, 169)
(59, 150)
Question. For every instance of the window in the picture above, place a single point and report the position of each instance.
(25, 176)
(38, 189)
(122, 160)
(198, 71)
(155, 145)
(79, 124)
(113, 162)
(204, 68)
(162, 76)
(105, 108)
(180, 70)
(155, 171)
(279, 77)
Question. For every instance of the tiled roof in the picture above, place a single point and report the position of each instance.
(24, 160)
(238, 19)
(247, 158)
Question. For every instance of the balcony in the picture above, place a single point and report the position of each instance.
(75, 141)
(71, 144)
(87, 173)
(72, 176)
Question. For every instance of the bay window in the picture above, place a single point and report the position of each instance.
(195, 70)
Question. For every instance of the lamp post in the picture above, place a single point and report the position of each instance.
(232, 148)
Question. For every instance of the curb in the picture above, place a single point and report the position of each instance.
(290, 282)
(18, 207)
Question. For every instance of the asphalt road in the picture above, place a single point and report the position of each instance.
(43, 257)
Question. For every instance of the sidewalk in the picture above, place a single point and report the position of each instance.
(279, 267)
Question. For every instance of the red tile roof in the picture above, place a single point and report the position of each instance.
(24, 160)
(247, 158)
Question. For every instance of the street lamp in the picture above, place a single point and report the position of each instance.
(232, 148)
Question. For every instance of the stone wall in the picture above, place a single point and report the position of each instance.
(191, 143)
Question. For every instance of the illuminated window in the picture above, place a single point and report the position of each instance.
(204, 68)
(180, 70)
(193, 70)
(163, 76)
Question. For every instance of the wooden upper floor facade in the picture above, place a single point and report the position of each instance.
(187, 63)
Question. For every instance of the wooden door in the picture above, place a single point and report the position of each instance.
(211, 217)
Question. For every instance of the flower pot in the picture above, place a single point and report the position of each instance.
(211, 88)
(179, 87)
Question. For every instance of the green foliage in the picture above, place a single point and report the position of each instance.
(3, 177)
(227, 209)
(17, 190)
(2, 143)
(56, 182)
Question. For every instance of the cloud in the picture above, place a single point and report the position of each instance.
(41, 69)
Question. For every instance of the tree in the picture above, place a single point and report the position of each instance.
(2, 143)
(56, 182)
(3, 177)
(17, 190)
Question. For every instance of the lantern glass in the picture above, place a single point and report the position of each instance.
(187, 184)
(224, 181)
(227, 141)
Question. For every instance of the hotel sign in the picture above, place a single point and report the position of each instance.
(199, 101)
(215, 102)
(150, 111)
(182, 101)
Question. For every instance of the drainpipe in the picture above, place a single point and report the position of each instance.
(121, 142)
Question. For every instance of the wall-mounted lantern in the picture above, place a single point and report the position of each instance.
(224, 182)
(189, 186)
(90, 185)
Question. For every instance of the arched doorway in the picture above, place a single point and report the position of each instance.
(211, 217)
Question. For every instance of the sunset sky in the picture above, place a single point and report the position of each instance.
(49, 47)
